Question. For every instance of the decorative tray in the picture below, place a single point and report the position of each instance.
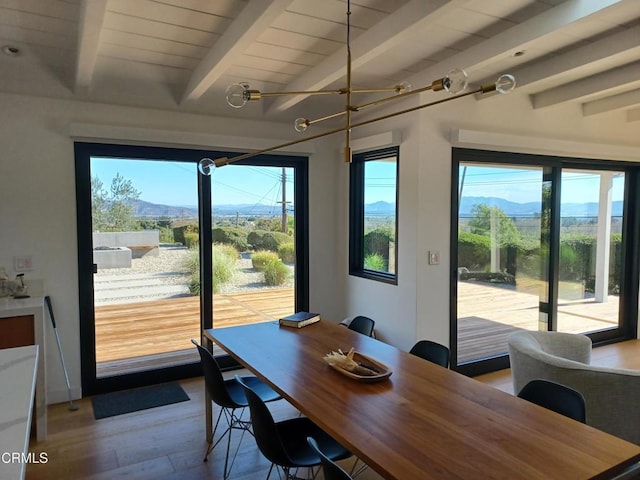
(370, 370)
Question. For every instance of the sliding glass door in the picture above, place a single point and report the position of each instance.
(540, 244)
(501, 279)
(164, 252)
(590, 260)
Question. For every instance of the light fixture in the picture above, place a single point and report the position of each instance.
(10, 50)
(454, 82)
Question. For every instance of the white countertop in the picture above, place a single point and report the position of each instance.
(12, 307)
(18, 368)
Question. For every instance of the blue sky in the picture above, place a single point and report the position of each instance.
(523, 185)
(176, 183)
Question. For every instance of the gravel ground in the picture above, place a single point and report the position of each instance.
(172, 261)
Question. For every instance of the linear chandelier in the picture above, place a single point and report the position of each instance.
(454, 82)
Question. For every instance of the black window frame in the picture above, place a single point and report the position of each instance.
(356, 215)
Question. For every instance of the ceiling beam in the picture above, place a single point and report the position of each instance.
(633, 115)
(376, 41)
(89, 29)
(252, 21)
(613, 80)
(615, 102)
(516, 38)
(606, 49)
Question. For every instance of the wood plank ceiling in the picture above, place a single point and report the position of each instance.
(181, 54)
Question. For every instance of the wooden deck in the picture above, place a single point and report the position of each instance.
(487, 315)
(123, 342)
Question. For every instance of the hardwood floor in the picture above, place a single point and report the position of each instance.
(167, 443)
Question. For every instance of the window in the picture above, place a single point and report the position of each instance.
(373, 210)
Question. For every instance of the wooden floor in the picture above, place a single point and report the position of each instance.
(486, 316)
(167, 443)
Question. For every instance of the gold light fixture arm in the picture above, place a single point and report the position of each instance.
(222, 161)
(347, 108)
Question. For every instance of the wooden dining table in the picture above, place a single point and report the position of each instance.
(424, 421)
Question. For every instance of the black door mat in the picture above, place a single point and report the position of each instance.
(127, 401)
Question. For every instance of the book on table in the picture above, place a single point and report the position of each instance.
(299, 319)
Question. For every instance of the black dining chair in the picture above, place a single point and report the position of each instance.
(363, 325)
(432, 351)
(229, 396)
(554, 396)
(330, 469)
(284, 443)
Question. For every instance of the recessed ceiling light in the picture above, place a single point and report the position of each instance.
(519, 53)
(10, 50)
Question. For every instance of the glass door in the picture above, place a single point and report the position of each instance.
(541, 243)
(163, 251)
(502, 258)
(254, 243)
(590, 262)
(144, 216)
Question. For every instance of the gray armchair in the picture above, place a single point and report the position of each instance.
(611, 394)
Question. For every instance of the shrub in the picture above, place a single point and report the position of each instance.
(191, 239)
(275, 273)
(254, 238)
(260, 259)
(375, 261)
(230, 236)
(287, 252)
(227, 250)
(263, 240)
(224, 264)
(178, 232)
(272, 240)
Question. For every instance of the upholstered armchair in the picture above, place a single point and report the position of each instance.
(611, 394)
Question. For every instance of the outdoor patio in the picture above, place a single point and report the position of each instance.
(487, 315)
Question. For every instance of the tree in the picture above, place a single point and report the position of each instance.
(112, 209)
(481, 223)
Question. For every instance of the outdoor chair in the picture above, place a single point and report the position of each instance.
(229, 396)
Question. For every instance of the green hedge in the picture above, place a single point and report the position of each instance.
(237, 237)
(577, 258)
(178, 232)
(265, 240)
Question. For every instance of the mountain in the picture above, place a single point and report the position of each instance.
(530, 209)
(380, 208)
(148, 209)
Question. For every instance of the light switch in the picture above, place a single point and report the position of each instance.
(22, 263)
(434, 258)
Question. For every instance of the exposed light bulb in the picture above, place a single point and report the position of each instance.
(206, 166)
(404, 87)
(238, 95)
(301, 124)
(505, 83)
(455, 81)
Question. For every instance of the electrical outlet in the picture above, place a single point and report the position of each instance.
(434, 258)
(22, 263)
